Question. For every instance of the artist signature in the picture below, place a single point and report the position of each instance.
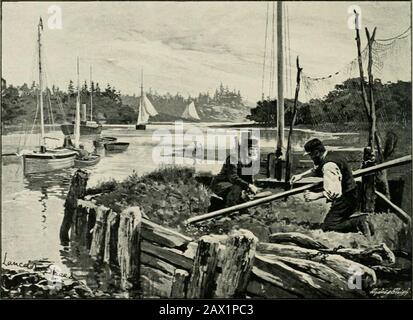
(32, 266)
(393, 291)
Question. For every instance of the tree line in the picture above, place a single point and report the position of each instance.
(19, 103)
(343, 105)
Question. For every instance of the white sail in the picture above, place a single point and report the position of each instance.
(149, 107)
(190, 112)
(143, 115)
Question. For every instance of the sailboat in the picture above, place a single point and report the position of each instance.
(91, 159)
(44, 160)
(190, 113)
(87, 127)
(146, 110)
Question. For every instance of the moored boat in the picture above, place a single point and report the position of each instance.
(86, 128)
(90, 161)
(43, 159)
(116, 146)
(38, 162)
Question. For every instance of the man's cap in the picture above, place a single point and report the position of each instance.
(312, 145)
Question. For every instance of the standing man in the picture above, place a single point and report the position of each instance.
(339, 188)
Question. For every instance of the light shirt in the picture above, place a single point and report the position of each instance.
(331, 180)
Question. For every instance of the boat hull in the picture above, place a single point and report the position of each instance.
(140, 127)
(68, 129)
(80, 163)
(116, 146)
(48, 161)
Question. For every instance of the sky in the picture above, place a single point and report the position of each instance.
(188, 47)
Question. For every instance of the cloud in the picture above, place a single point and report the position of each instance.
(187, 46)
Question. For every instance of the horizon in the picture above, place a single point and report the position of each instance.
(191, 55)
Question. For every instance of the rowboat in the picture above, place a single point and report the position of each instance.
(100, 142)
(91, 161)
(116, 146)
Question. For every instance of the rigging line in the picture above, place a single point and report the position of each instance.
(396, 37)
(265, 51)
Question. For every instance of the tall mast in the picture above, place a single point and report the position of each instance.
(91, 95)
(280, 95)
(39, 29)
(77, 118)
(142, 87)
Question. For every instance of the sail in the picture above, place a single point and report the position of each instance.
(149, 107)
(143, 115)
(190, 112)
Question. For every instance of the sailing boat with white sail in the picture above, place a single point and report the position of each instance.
(190, 113)
(44, 160)
(146, 110)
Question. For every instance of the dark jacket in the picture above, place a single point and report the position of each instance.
(232, 172)
(348, 184)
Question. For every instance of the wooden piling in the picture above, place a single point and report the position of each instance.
(97, 248)
(77, 191)
(236, 264)
(202, 284)
(129, 247)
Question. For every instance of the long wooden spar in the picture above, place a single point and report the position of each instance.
(385, 165)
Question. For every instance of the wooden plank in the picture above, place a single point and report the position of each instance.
(163, 236)
(397, 211)
(281, 195)
(267, 285)
(155, 283)
(154, 262)
(171, 256)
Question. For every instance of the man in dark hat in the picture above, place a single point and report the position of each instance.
(235, 179)
(339, 188)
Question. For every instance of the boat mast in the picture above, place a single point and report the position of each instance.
(77, 119)
(280, 84)
(91, 95)
(39, 29)
(142, 100)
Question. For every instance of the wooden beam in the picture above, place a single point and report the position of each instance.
(398, 211)
(254, 203)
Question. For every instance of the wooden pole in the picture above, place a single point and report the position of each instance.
(398, 211)
(360, 62)
(372, 130)
(254, 203)
(290, 132)
(280, 72)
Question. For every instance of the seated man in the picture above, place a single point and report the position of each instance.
(339, 188)
(234, 179)
(82, 153)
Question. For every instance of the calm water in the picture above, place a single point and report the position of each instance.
(32, 207)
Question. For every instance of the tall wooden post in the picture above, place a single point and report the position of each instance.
(280, 72)
(278, 161)
(288, 152)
